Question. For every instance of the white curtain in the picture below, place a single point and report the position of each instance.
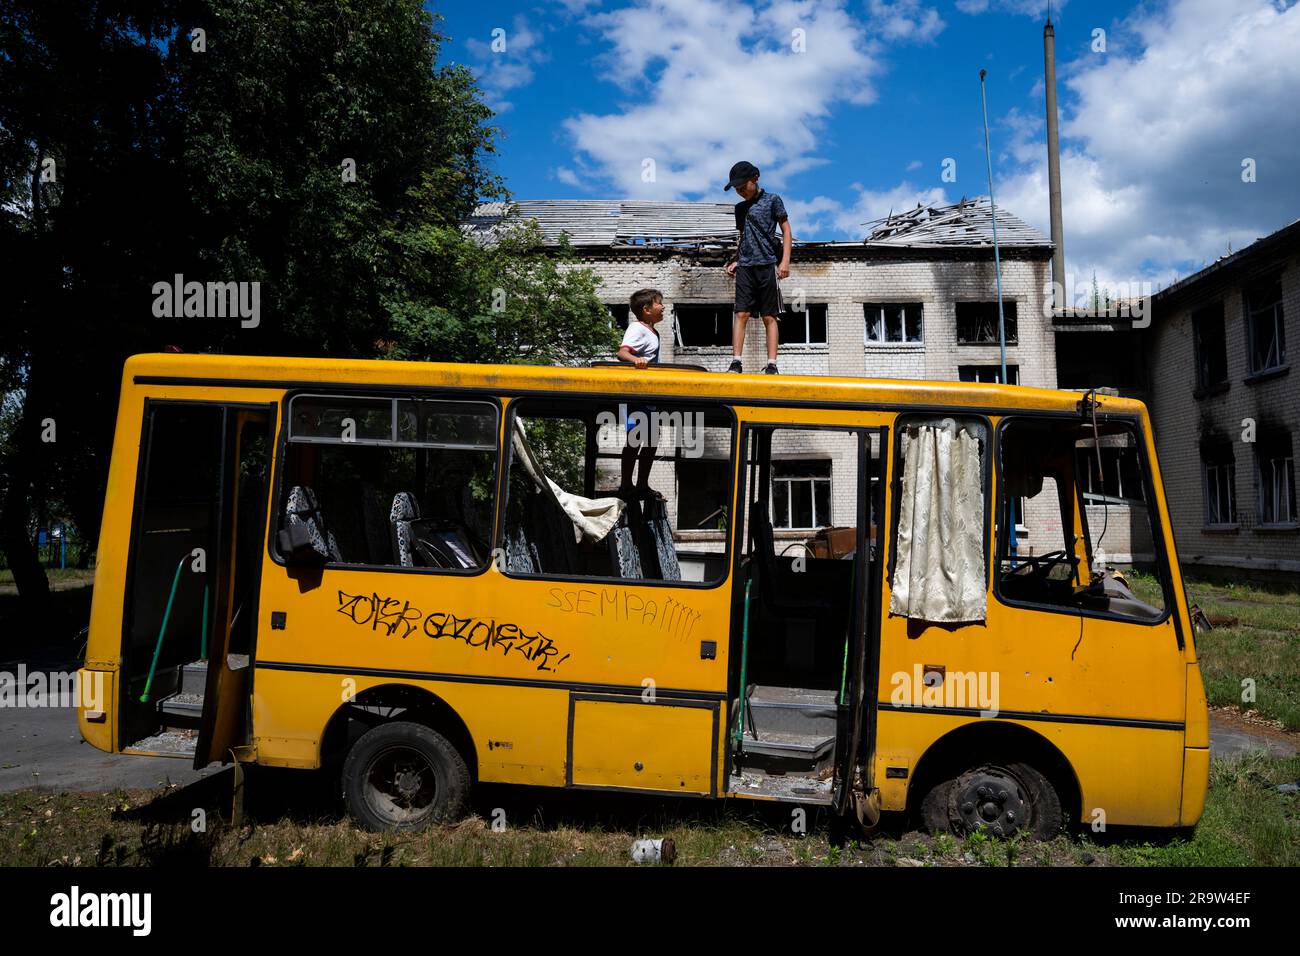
(592, 518)
(939, 566)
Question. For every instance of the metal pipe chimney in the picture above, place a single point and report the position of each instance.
(1054, 164)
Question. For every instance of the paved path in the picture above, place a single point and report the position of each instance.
(1231, 738)
(42, 747)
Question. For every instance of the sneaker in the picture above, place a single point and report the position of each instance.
(735, 366)
(771, 369)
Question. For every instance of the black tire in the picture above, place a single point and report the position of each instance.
(404, 776)
(1002, 798)
(934, 808)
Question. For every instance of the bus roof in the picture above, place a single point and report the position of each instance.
(666, 381)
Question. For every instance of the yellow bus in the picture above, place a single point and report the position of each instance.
(877, 596)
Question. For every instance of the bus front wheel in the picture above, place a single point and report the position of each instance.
(1002, 799)
(404, 776)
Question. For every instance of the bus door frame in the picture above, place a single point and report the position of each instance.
(855, 728)
(227, 695)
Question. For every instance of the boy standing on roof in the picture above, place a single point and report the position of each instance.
(760, 261)
(641, 348)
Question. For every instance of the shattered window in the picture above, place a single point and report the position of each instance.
(1211, 348)
(703, 325)
(892, 322)
(1264, 325)
(977, 322)
(804, 328)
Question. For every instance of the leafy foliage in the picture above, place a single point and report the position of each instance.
(234, 162)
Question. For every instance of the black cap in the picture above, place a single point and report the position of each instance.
(742, 172)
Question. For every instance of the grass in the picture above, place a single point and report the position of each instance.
(58, 577)
(1247, 822)
(1256, 638)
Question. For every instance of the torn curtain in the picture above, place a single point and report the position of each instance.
(939, 565)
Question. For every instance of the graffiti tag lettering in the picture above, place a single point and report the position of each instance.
(669, 616)
(395, 617)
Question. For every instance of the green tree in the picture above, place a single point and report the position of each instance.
(500, 301)
(228, 156)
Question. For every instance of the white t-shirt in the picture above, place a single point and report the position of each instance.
(643, 341)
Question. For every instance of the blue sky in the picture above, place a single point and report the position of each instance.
(852, 107)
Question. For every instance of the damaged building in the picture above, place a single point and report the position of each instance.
(1209, 358)
(1226, 408)
(915, 299)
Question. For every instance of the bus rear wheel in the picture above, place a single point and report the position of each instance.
(404, 776)
(1001, 799)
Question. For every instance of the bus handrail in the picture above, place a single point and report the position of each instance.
(744, 665)
(162, 631)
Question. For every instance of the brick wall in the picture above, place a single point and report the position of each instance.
(844, 287)
(1181, 419)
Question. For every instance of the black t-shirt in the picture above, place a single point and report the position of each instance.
(758, 219)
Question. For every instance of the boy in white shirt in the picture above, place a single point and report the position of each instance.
(641, 348)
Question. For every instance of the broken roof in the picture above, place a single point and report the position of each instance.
(701, 226)
(1229, 267)
(968, 222)
(598, 222)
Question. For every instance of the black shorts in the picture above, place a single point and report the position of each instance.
(757, 291)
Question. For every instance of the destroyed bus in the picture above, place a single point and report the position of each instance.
(421, 576)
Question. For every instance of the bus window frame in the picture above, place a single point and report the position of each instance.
(503, 489)
(1134, 423)
(278, 492)
(901, 422)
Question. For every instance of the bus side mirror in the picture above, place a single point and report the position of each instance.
(294, 543)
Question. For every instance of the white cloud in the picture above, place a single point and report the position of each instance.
(906, 20)
(499, 71)
(914, 165)
(710, 82)
(1028, 8)
(566, 175)
(1154, 141)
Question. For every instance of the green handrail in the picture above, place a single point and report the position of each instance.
(157, 651)
(744, 666)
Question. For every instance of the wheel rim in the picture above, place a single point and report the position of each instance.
(401, 785)
(992, 799)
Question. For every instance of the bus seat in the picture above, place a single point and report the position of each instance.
(429, 542)
(647, 519)
(404, 511)
(661, 534)
(521, 556)
(624, 556)
(303, 509)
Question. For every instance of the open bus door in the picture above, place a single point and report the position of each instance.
(192, 576)
(802, 718)
(246, 440)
